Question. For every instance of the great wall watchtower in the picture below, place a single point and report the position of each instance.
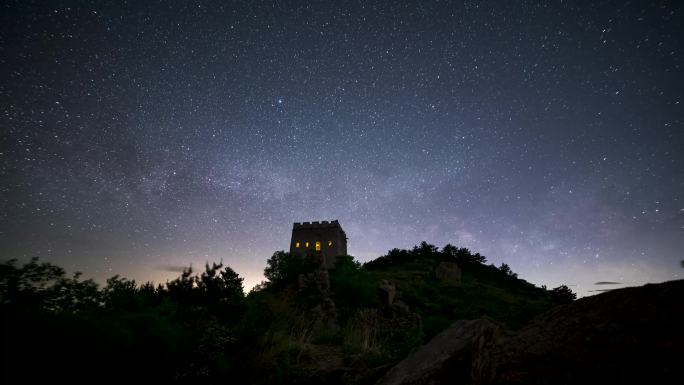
(326, 238)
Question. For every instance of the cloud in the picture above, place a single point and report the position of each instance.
(607, 283)
(172, 268)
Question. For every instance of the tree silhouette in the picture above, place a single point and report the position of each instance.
(463, 255)
(37, 286)
(352, 284)
(425, 250)
(220, 291)
(283, 268)
(507, 270)
(200, 327)
(562, 294)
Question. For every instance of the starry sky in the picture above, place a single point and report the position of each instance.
(138, 137)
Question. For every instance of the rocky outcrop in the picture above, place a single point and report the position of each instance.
(324, 314)
(457, 355)
(318, 280)
(387, 292)
(370, 329)
(625, 336)
(448, 272)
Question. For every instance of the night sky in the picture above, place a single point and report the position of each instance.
(141, 136)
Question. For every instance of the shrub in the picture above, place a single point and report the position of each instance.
(562, 294)
(283, 268)
(352, 285)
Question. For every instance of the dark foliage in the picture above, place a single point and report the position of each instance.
(563, 294)
(71, 330)
(463, 256)
(485, 291)
(449, 253)
(201, 328)
(352, 285)
(283, 268)
(507, 270)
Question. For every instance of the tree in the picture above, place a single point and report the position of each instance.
(398, 256)
(504, 268)
(221, 292)
(73, 295)
(478, 258)
(28, 286)
(283, 268)
(463, 255)
(120, 293)
(352, 284)
(562, 294)
(180, 290)
(450, 250)
(217, 283)
(43, 286)
(425, 250)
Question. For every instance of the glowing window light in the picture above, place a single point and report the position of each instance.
(318, 246)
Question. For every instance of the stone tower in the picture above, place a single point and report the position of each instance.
(326, 238)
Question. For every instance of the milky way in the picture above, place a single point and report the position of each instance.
(140, 137)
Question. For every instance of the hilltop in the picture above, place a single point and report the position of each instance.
(367, 317)
(304, 324)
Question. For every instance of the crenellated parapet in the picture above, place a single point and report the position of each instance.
(316, 224)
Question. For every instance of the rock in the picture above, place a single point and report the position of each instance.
(324, 314)
(387, 292)
(401, 306)
(372, 329)
(625, 336)
(459, 354)
(448, 272)
(318, 280)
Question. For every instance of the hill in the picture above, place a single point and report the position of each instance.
(303, 325)
(483, 291)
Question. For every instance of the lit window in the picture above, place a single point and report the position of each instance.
(306, 244)
(318, 246)
(329, 243)
(297, 244)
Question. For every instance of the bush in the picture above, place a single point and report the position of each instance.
(463, 256)
(562, 294)
(352, 285)
(283, 268)
(181, 331)
(424, 250)
(504, 268)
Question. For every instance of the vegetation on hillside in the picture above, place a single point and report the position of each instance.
(485, 291)
(202, 328)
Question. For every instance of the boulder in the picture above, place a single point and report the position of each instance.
(387, 292)
(458, 355)
(448, 272)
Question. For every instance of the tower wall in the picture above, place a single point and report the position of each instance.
(331, 238)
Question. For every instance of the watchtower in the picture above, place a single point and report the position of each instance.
(325, 238)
